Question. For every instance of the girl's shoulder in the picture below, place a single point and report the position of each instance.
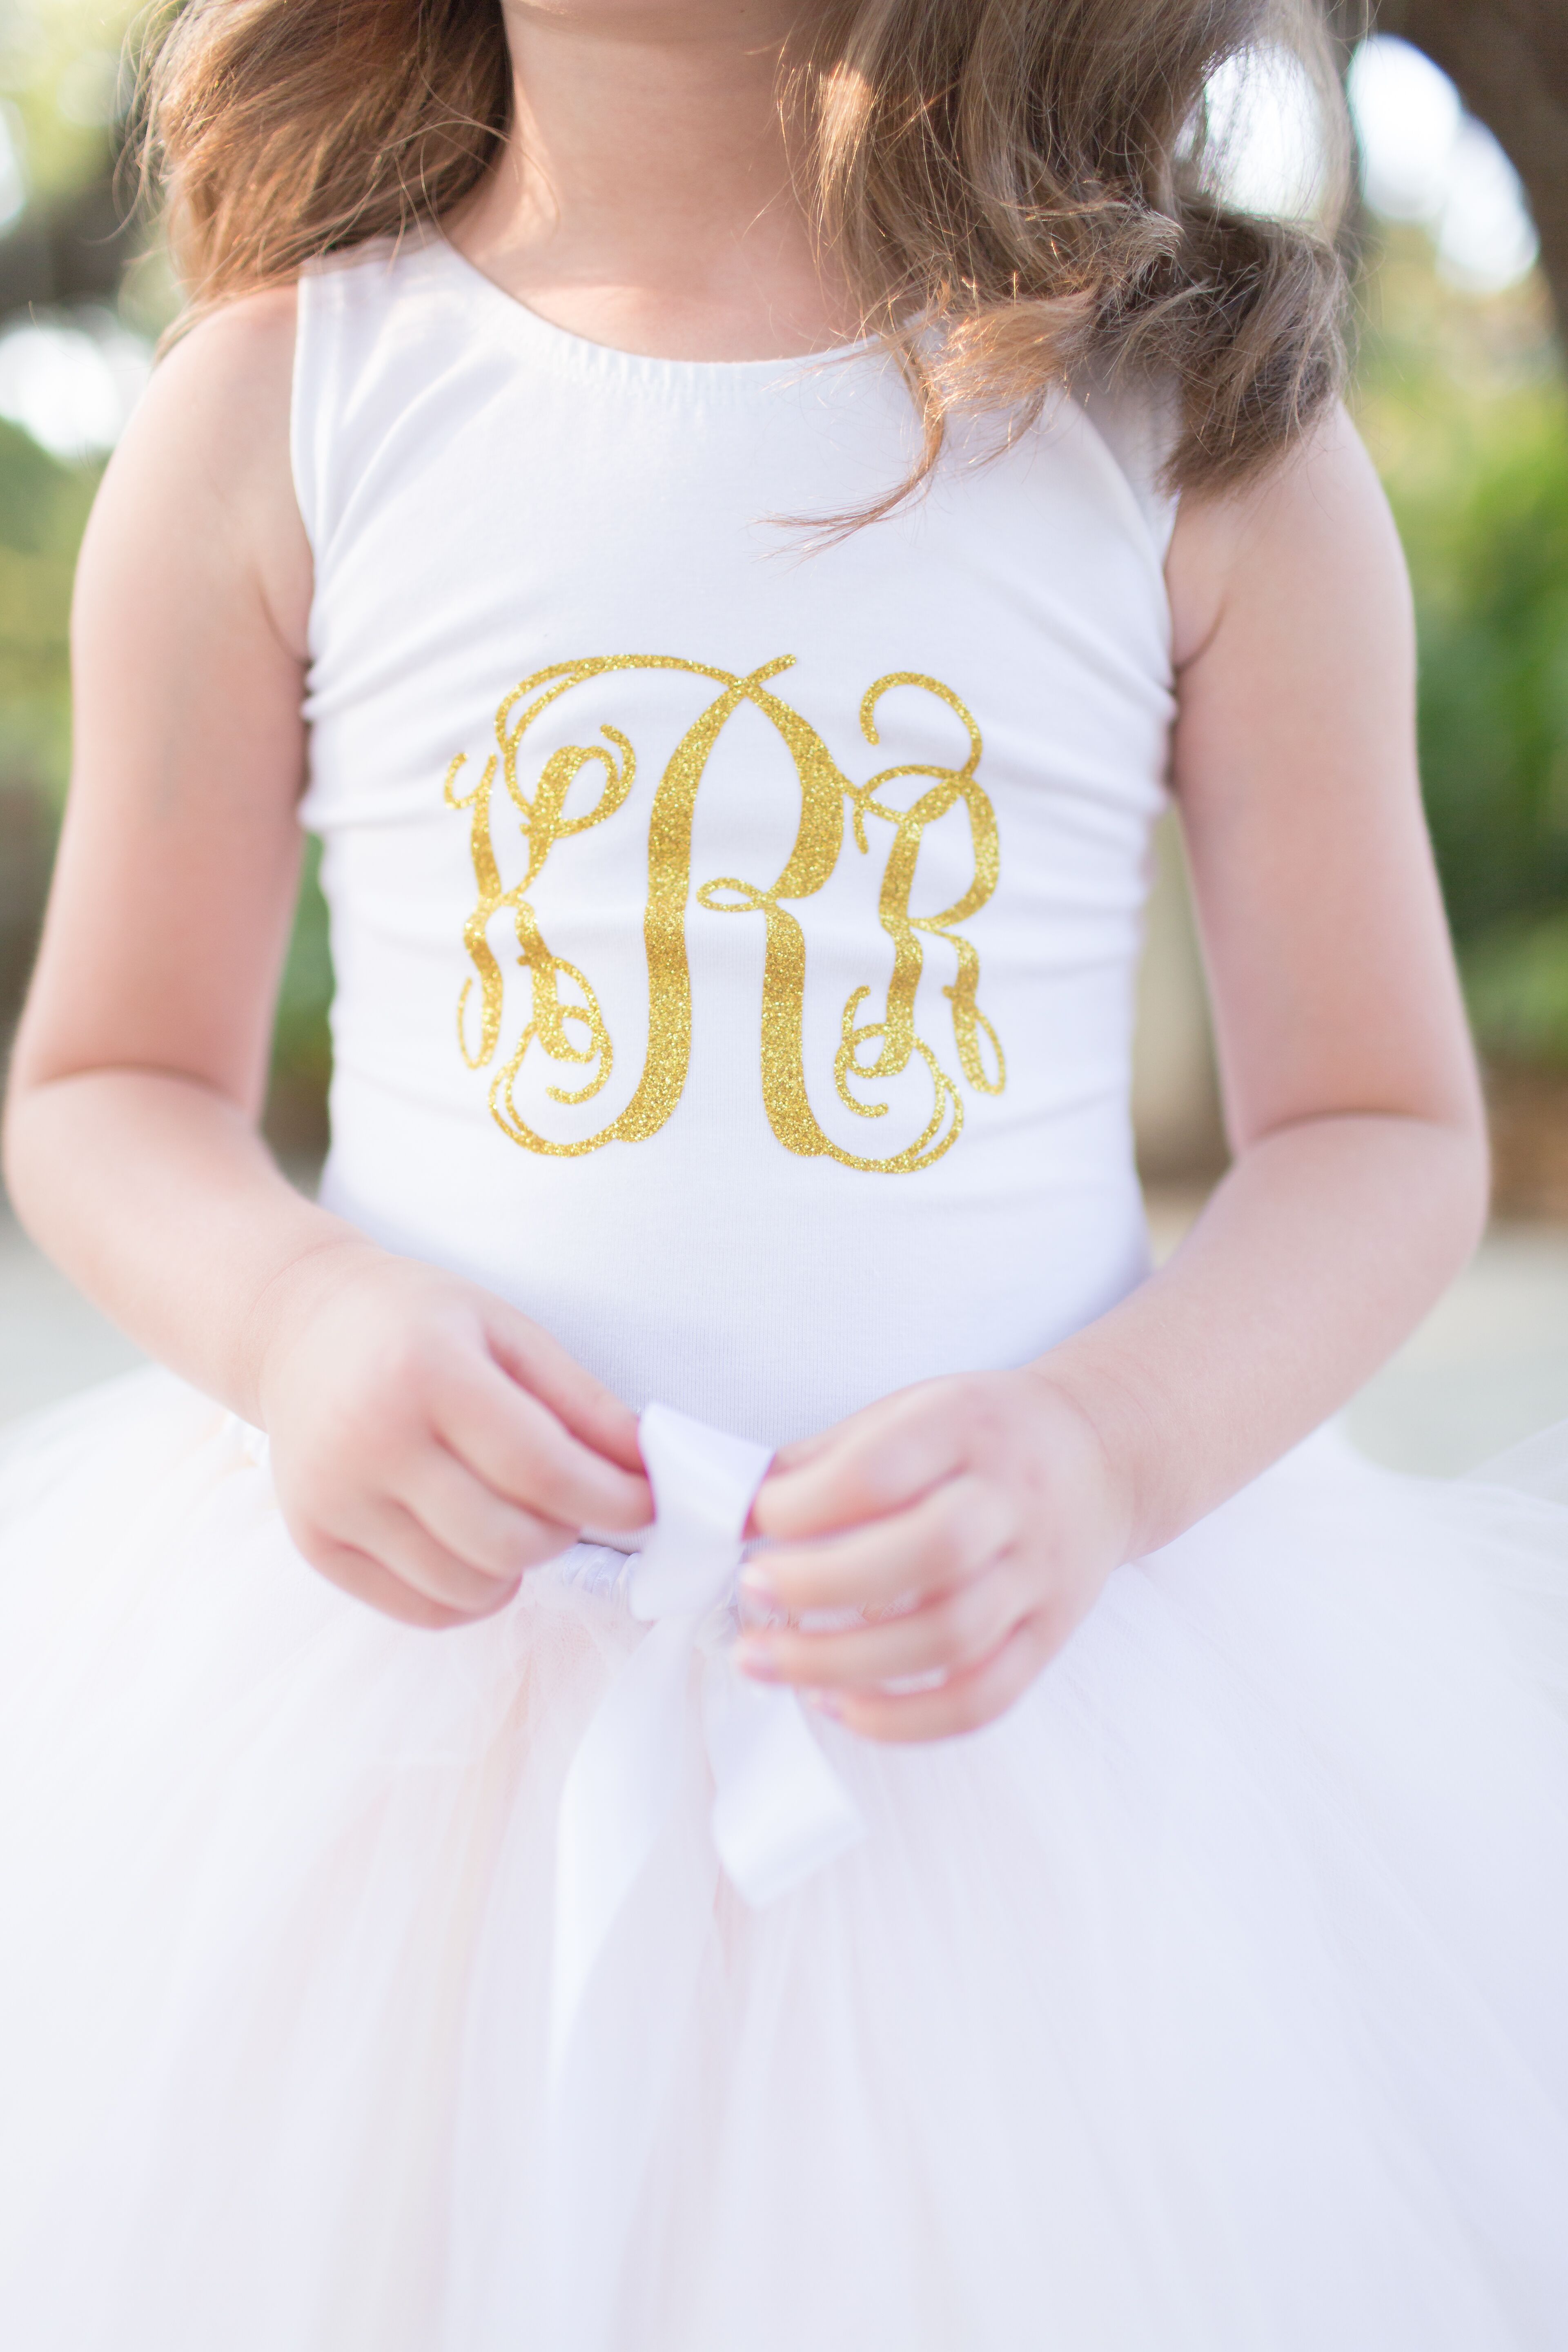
(229, 373)
(1307, 542)
(242, 394)
(205, 456)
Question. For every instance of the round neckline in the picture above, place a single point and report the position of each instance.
(586, 349)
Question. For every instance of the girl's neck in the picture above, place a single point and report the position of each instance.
(646, 197)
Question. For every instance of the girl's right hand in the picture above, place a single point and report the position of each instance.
(429, 1443)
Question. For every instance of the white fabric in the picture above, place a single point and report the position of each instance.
(366, 1990)
(1140, 431)
(780, 1813)
(487, 496)
(1210, 2002)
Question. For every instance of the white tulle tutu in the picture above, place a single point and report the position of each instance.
(1214, 1999)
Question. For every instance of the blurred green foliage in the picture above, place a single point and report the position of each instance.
(1516, 978)
(301, 1037)
(64, 80)
(1465, 408)
(43, 508)
(1491, 562)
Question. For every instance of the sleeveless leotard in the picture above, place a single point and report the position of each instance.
(735, 940)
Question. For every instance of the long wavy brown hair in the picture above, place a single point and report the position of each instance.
(1037, 177)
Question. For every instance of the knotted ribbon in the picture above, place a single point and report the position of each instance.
(779, 1812)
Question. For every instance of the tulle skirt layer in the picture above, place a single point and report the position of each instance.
(1214, 1999)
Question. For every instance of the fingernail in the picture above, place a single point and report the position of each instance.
(755, 1658)
(757, 1585)
(823, 1703)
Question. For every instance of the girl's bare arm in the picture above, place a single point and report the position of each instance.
(1360, 1183)
(140, 1065)
(131, 1148)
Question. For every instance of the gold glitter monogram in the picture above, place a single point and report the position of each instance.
(565, 1022)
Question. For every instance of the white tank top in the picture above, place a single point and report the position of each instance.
(735, 942)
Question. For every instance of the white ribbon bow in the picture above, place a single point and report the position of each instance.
(780, 1812)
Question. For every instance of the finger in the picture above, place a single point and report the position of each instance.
(463, 1515)
(581, 1403)
(871, 1418)
(957, 1630)
(392, 1536)
(880, 1459)
(945, 1538)
(363, 1578)
(963, 1703)
(518, 1448)
(796, 1455)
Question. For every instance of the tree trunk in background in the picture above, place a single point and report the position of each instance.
(75, 249)
(1509, 59)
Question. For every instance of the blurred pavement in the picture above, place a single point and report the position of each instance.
(1489, 1367)
(51, 1341)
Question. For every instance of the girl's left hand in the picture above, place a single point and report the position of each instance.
(971, 1521)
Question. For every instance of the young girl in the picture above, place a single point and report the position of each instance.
(681, 495)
